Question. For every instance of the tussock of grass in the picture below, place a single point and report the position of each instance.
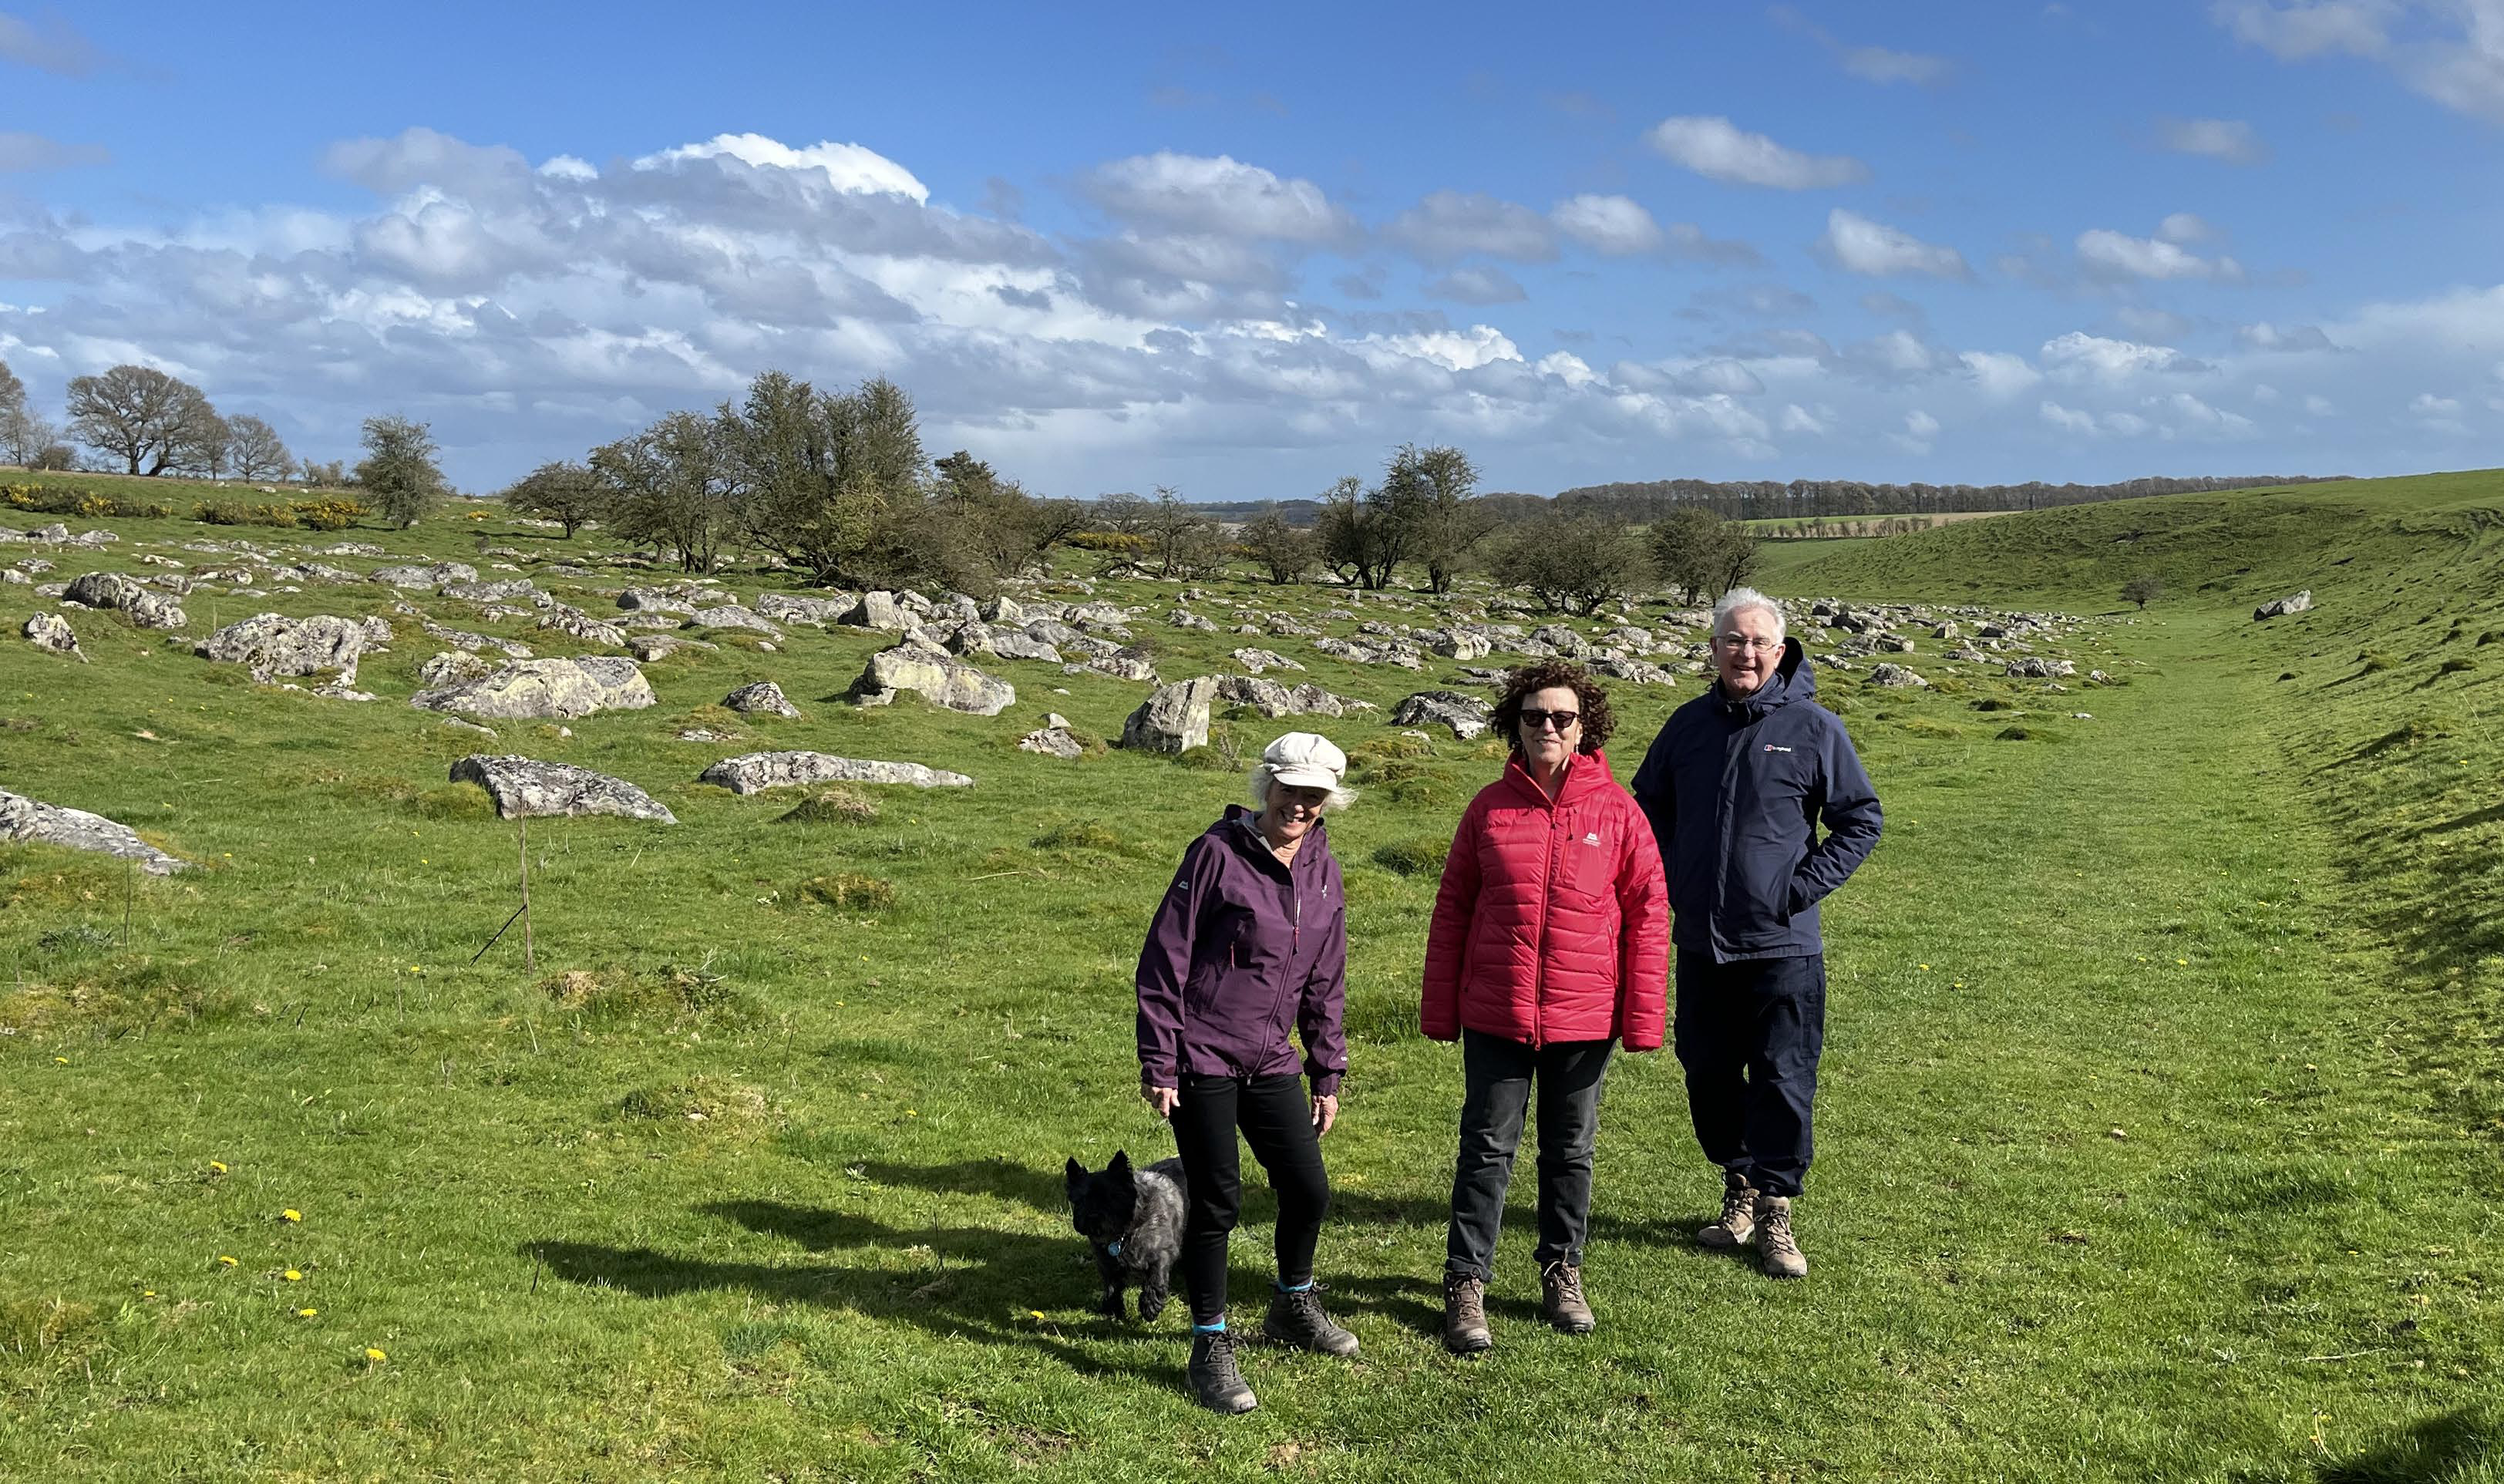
(1382, 749)
(850, 891)
(1923, 726)
(453, 801)
(1994, 703)
(832, 806)
(2022, 733)
(1414, 856)
(698, 1100)
(2459, 664)
(1081, 835)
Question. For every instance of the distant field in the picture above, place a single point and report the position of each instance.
(172, 490)
(1838, 527)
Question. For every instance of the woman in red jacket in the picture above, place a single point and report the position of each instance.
(1550, 946)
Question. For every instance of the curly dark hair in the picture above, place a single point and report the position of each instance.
(1527, 681)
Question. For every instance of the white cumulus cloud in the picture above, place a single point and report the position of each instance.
(1999, 374)
(1858, 245)
(848, 167)
(1715, 148)
(1216, 193)
(2081, 356)
(1452, 223)
(2113, 256)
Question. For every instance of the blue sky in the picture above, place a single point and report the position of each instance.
(1243, 256)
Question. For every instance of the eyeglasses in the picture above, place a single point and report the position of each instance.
(1741, 641)
(1562, 721)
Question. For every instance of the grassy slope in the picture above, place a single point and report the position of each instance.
(856, 1265)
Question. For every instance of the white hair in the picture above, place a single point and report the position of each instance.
(1741, 600)
(1265, 774)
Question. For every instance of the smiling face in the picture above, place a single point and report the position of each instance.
(1545, 744)
(1747, 648)
(1292, 811)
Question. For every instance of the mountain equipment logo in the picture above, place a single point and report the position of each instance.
(1774, 747)
(1591, 838)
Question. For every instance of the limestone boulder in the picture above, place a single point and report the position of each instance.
(545, 689)
(755, 772)
(2280, 607)
(1895, 677)
(1053, 742)
(272, 644)
(451, 667)
(52, 632)
(938, 676)
(1259, 659)
(526, 786)
(762, 699)
(796, 608)
(1174, 719)
(879, 610)
(502, 590)
(430, 577)
(652, 646)
(32, 820)
(128, 596)
(1465, 717)
(732, 616)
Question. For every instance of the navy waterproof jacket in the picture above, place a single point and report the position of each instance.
(1242, 949)
(1735, 791)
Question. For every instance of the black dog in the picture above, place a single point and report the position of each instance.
(1132, 1222)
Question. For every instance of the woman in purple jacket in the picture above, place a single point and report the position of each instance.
(1252, 937)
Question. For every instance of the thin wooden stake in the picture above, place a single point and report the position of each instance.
(530, 959)
(129, 888)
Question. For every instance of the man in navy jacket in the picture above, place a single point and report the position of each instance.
(1737, 786)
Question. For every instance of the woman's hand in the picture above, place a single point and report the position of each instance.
(1325, 1113)
(1161, 1099)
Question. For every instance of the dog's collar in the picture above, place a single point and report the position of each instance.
(1113, 1249)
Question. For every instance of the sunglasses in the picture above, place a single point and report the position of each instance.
(1562, 721)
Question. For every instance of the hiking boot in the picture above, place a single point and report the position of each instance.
(1464, 1324)
(1214, 1380)
(1297, 1318)
(1560, 1299)
(1738, 1219)
(1775, 1246)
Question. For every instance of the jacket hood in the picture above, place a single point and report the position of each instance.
(1590, 771)
(1792, 679)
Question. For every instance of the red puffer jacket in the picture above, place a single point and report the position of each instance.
(1552, 922)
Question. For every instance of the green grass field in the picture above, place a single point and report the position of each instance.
(2158, 1132)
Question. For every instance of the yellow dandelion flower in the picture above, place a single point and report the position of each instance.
(290, 1213)
(225, 1262)
(374, 1355)
(306, 1313)
(1924, 968)
(2183, 962)
(909, 1113)
(60, 1061)
(147, 1292)
(217, 1167)
(1037, 1313)
(294, 1276)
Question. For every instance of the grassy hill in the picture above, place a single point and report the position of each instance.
(2158, 1136)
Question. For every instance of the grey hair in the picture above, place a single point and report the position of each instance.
(1740, 599)
(1265, 774)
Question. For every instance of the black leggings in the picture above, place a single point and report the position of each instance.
(1278, 1123)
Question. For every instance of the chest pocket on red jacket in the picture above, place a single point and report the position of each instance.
(1590, 861)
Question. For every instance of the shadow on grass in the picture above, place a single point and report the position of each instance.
(2453, 1446)
(986, 1284)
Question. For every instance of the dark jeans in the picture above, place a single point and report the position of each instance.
(1496, 1080)
(1749, 1034)
(1278, 1123)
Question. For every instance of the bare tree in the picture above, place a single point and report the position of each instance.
(254, 448)
(138, 414)
(23, 435)
(1570, 563)
(1362, 537)
(674, 484)
(1284, 552)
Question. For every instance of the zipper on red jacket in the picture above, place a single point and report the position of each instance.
(1547, 892)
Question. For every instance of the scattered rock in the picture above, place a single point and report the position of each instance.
(2280, 607)
(451, 667)
(1053, 742)
(128, 596)
(1259, 659)
(1466, 715)
(272, 644)
(456, 724)
(526, 786)
(53, 633)
(755, 772)
(24, 820)
(504, 590)
(1896, 675)
(764, 698)
(879, 610)
(1174, 719)
(529, 690)
(792, 608)
(940, 677)
(428, 577)
(731, 617)
(581, 626)
(2036, 667)
(652, 646)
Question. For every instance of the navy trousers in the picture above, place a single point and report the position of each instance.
(1749, 1034)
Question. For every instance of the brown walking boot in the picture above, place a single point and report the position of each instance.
(1561, 1299)
(1465, 1320)
(1738, 1219)
(1775, 1245)
(1297, 1318)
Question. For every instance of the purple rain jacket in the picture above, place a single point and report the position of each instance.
(1241, 948)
